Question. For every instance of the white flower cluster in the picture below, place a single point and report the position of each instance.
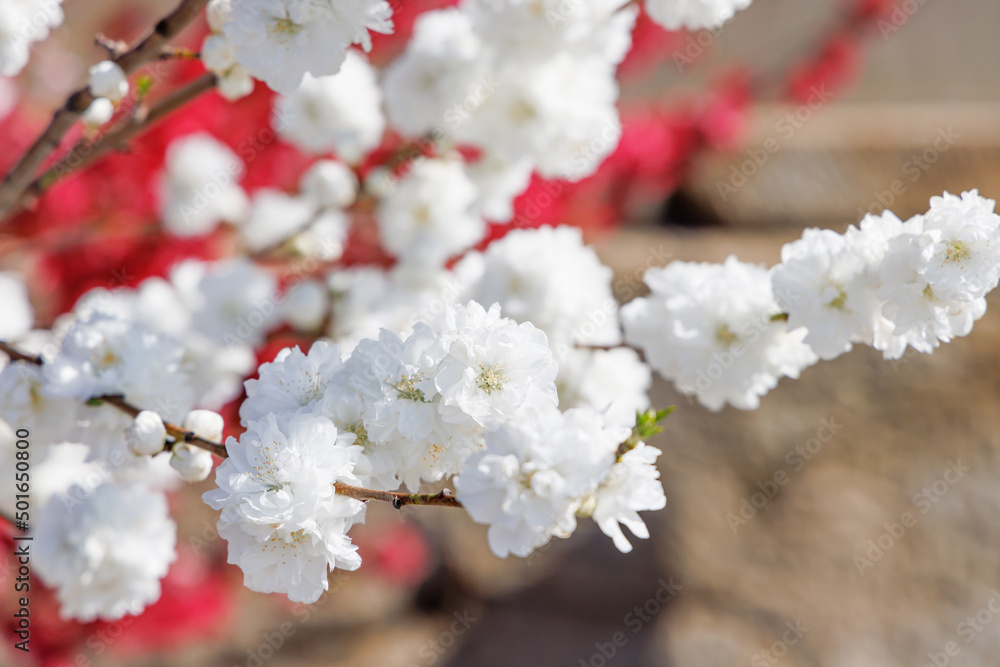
(710, 329)
(886, 283)
(105, 549)
(21, 23)
(529, 83)
(18, 315)
(538, 472)
(472, 395)
(892, 284)
(280, 41)
(693, 14)
(544, 276)
(219, 54)
(108, 80)
(199, 189)
(339, 113)
(103, 536)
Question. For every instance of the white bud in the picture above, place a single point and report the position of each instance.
(108, 80)
(98, 113)
(329, 183)
(306, 303)
(218, 54)
(146, 434)
(204, 424)
(237, 83)
(193, 464)
(218, 12)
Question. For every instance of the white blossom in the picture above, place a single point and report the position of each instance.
(204, 424)
(293, 383)
(693, 14)
(560, 112)
(21, 23)
(25, 402)
(219, 56)
(428, 217)
(499, 182)
(100, 112)
(436, 79)
(146, 434)
(822, 283)
(199, 188)
(330, 184)
(285, 525)
(16, 308)
(274, 217)
(231, 301)
(279, 41)
(548, 277)
(492, 366)
(534, 30)
(535, 473)
(709, 329)
(631, 486)
(105, 550)
(107, 79)
(218, 12)
(306, 305)
(614, 382)
(340, 113)
(105, 355)
(191, 463)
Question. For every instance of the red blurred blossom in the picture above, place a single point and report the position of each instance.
(872, 10)
(404, 13)
(835, 67)
(100, 259)
(195, 604)
(652, 157)
(652, 44)
(398, 553)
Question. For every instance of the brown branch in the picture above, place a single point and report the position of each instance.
(87, 151)
(176, 432)
(17, 355)
(398, 500)
(147, 50)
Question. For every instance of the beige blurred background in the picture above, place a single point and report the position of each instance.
(819, 574)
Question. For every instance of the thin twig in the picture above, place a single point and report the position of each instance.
(145, 51)
(17, 355)
(398, 500)
(176, 432)
(87, 151)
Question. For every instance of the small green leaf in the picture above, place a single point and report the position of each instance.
(143, 85)
(646, 426)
